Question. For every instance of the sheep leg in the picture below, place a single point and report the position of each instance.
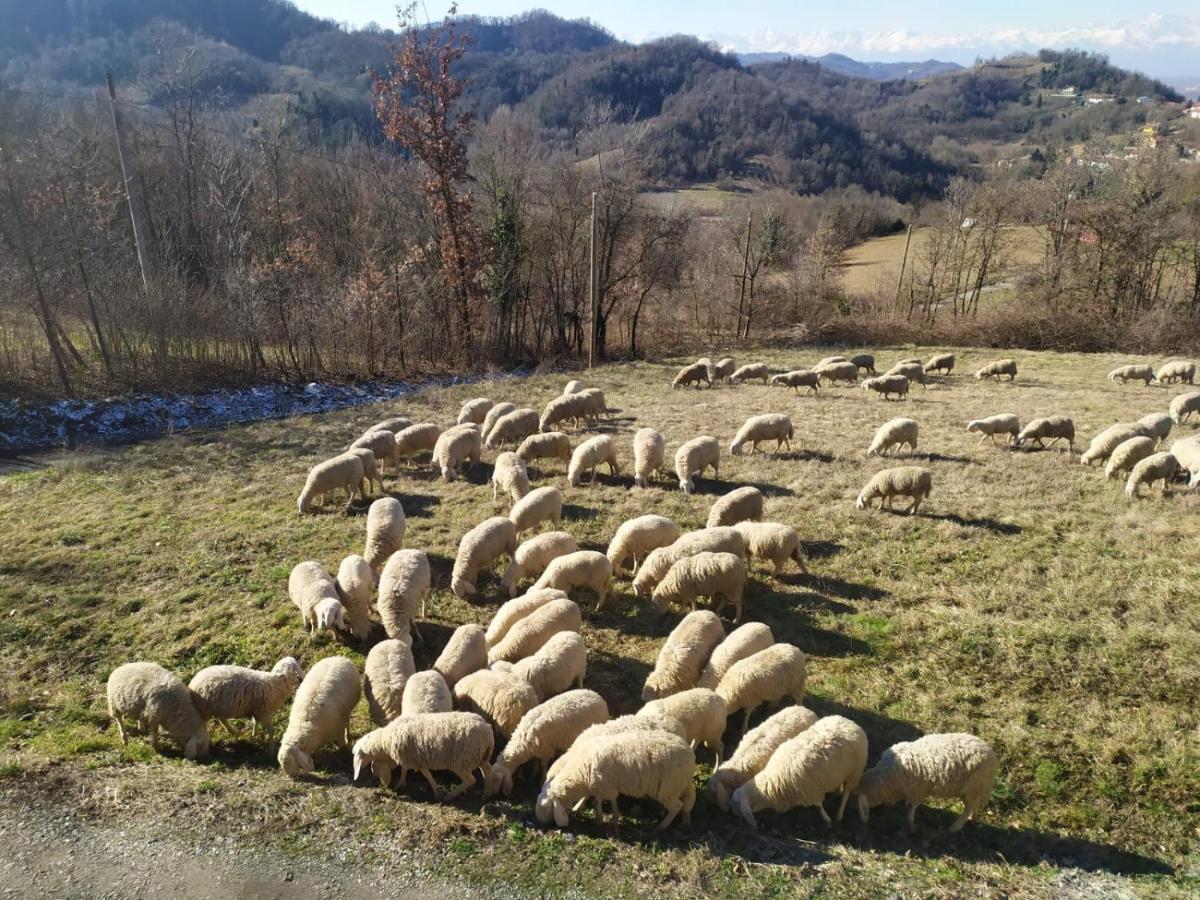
(912, 817)
(969, 807)
(745, 721)
(437, 791)
(228, 728)
(467, 781)
(824, 815)
(673, 809)
(120, 727)
(842, 806)
(912, 510)
(154, 737)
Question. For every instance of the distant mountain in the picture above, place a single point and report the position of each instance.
(844, 65)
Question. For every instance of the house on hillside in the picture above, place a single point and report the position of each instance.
(1193, 111)
(1069, 92)
(1099, 98)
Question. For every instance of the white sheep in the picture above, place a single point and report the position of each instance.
(756, 749)
(723, 369)
(479, 548)
(637, 537)
(529, 633)
(769, 427)
(1159, 425)
(741, 642)
(1127, 455)
(1177, 370)
(773, 541)
(565, 407)
(828, 756)
(1125, 374)
(649, 452)
(386, 671)
(799, 378)
(386, 525)
(751, 371)
(394, 424)
(885, 385)
(541, 505)
(415, 439)
(236, 692)
(557, 665)
(153, 698)
(344, 472)
(513, 427)
(1052, 428)
(320, 713)
(1004, 423)
(996, 369)
(940, 362)
(1184, 405)
(1187, 453)
(1103, 444)
(371, 476)
(544, 732)
(703, 575)
(905, 481)
(693, 373)
(700, 711)
(532, 557)
(837, 371)
(594, 404)
(830, 360)
(403, 587)
(767, 676)
(382, 443)
(590, 454)
(573, 386)
(315, 594)
(455, 742)
(683, 655)
(493, 416)
(425, 692)
(693, 457)
(582, 569)
(656, 565)
(474, 411)
(456, 448)
(550, 445)
(464, 653)
(914, 371)
(355, 583)
(949, 766)
(501, 698)
(1156, 467)
(510, 476)
(519, 607)
(895, 433)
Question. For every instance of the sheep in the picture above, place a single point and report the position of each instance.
(589, 455)
(775, 427)
(864, 361)
(700, 711)
(799, 378)
(355, 583)
(1125, 374)
(1184, 405)
(1127, 455)
(652, 764)
(1159, 425)
(831, 360)
(416, 439)
(940, 362)
(693, 373)
(1004, 423)
(501, 698)
(518, 608)
(320, 713)
(1103, 444)
(693, 457)
(910, 361)
(341, 472)
(551, 445)
(532, 557)
(456, 448)
(386, 672)
(557, 665)
(658, 562)
(397, 423)
(913, 371)
(649, 452)
(683, 655)
(723, 369)
(594, 404)
(1187, 453)
(703, 574)
(493, 416)
(1156, 467)
(371, 476)
(479, 548)
(739, 505)
(905, 481)
(528, 635)
(829, 755)
(510, 475)
(996, 369)
(766, 676)
(457, 742)
(885, 385)
(538, 506)
(1177, 370)
(1054, 428)
(756, 749)
(381, 442)
(315, 594)
(896, 433)
(639, 536)
(773, 541)
(514, 426)
(544, 732)
(501, 666)
(425, 692)
(386, 525)
(474, 411)
(464, 653)
(741, 642)
(838, 371)
(154, 698)
(236, 692)
(750, 371)
(562, 408)
(572, 387)
(950, 766)
(581, 569)
(403, 587)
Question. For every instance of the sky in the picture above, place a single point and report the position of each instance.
(1162, 39)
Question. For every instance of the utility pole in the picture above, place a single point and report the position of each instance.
(745, 278)
(903, 265)
(594, 290)
(132, 197)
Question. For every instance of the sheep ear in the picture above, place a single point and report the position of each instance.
(561, 817)
(358, 762)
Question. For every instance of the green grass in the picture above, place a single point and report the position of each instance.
(1030, 603)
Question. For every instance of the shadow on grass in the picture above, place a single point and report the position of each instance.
(718, 488)
(838, 587)
(986, 522)
(943, 457)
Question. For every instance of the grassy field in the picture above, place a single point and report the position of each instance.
(1029, 602)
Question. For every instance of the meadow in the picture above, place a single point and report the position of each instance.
(1028, 602)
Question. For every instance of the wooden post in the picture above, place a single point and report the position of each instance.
(594, 291)
(903, 265)
(745, 278)
(132, 197)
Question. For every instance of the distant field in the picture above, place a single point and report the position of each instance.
(1029, 602)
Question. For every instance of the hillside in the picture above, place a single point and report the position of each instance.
(845, 65)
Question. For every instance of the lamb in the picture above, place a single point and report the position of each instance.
(739, 505)
(425, 692)
(355, 583)
(700, 711)
(767, 676)
(562, 408)
(532, 557)
(656, 565)
(551, 445)
(704, 574)
(1156, 467)
(1005, 423)
(913, 371)
(683, 655)
(864, 361)
(516, 609)
(896, 433)
(236, 692)
(884, 385)
(479, 548)
(315, 594)
(589, 455)
(750, 371)
(905, 481)
(320, 713)
(1187, 453)
(154, 698)
(343, 472)
(1103, 444)
(756, 749)
(514, 427)
(558, 664)
(386, 672)
(386, 525)
(741, 642)
(464, 653)
(403, 587)
(449, 741)
(1125, 374)
(723, 369)
(416, 439)
(799, 378)
(829, 755)
(996, 369)
(938, 765)
(581, 569)
(544, 732)
(474, 411)
(649, 452)
(770, 427)
(639, 536)
(529, 634)
(371, 476)
(831, 360)
(456, 448)
(693, 373)
(501, 698)
(538, 506)
(773, 541)
(573, 387)
(1177, 370)
(1127, 455)
(693, 457)
(940, 362)
(838, 371)
(1054, 428)
(1184, 405)
(1159, 425)
(493, 416)
(510, 475)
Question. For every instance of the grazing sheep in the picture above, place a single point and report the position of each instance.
(538, 506)
(473, 412)
(425, 692)
(716, 540)
(723, 369)
(767, 676)
(913, 371)
(501, 698)
(529, 634)
(581, 569)
(703, 575)
(1005, 423)
(480, 548)
(403, 587)
(544, 732)
(772, 541)
(770, 427)
(386, 672)
(557, 665)
(741, 642)
(739, 505)
(838, 371)
(320, 713)
(493, 416)
(896, 433)
(510, 475)
(940, 362)
(1125, 374)
(154, 698)
(700, 711)
(1127, 455)
(236, 692)
(594, 404)
(343, 472)
(532, 557)
(518, 608)
(415, 439)
(593, 452)
(639, 536)
(829, 755)
(382, 443)
(905, 481)
(1103, 444)
(1187, 453)
(513, 427)
(750, 371)
(1177, 370)
(562, 408)
(910, 361)
(884, 385)
(1184, 405)
(464, 653)
(799, 378)
(1052, 428)
(371, 476)
(864, 361)
(551, 445)
(693, 457)
(693, 373)
(455, 447)
(683, 655)
(1156, 467)
(756, 749)
(996, 369)
(386, 525)
(355, 583)
(950, 766)
(572, 387)
(830, 361)
(315, 594)
(649, 452)
(457, 742)
(397, 423)
(1159, 425)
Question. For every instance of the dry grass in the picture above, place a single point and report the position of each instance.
(1029, 603)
